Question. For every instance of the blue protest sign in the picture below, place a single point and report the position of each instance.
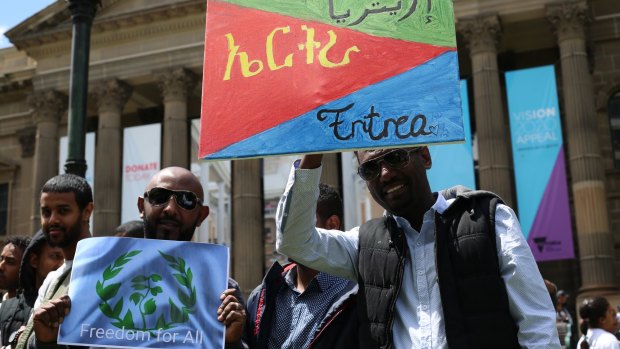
(131, 293)
(453, 164)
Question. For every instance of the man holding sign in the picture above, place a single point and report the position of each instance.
(438, 270)
(172, 209)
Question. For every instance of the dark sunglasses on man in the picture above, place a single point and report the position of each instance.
(395, 159)
(185, 199)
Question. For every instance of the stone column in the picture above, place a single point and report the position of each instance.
(176, 84)
(111, 96)
(495, 163)
(48, 107)
(596, 245)
(248, 248)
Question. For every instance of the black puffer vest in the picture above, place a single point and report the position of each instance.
(473, 294)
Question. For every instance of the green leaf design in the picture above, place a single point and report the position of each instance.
(175, 313)
(183, 297)
(139, 278)
(110, 291)
(120, 261)
(156, 290)
(190, 276)
(133, 253)
(150, 306)
(181, 279)
(156, 277)
(168, 257)
(182, 264)
(139, 287)
(106, 310)
(108, 273)
(193, 296)
(117, 309)
(117, 324)
(161, 322)
(136, 297)
(128, 320)
(99, 288)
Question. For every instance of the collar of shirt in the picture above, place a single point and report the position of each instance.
(320, 282)
(439, 206)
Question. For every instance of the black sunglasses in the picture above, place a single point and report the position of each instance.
(185, 199)
(395, 159)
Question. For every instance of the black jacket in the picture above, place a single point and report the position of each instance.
(339, 328)
(473, 293)
(16, 311)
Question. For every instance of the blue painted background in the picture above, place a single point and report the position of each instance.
(209, 265)
(453, 164)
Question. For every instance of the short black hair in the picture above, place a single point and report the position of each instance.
(70, 183)
(18, 241)
(592, 310)
(329, 202)
(131, 229)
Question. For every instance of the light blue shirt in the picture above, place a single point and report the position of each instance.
(418, 319)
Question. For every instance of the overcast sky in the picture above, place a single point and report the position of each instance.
(14, 12)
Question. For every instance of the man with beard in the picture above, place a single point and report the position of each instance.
(66, 206)
(171, 210)
(438, 270)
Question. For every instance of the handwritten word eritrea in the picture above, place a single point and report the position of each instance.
(404, 126)
(253, 67)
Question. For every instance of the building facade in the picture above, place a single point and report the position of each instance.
(145, 68)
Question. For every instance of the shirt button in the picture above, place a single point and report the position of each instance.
(420, 272)
(424, 307)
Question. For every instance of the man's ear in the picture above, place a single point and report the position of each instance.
(333, 222)
(33, 260)
(141, 206)
(204, 212)
(87, 211)
(425, 154)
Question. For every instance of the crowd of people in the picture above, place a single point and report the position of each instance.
(438, 270)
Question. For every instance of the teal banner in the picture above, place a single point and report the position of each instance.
(539, 165)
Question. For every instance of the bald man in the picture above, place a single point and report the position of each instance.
(167, 219)
(171, 209)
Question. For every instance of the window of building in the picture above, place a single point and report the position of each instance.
(613, 109)
(4, 207)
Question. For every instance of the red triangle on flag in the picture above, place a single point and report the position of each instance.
(262, 69)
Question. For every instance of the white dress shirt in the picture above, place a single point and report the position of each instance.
(600, 339)
(418, 321)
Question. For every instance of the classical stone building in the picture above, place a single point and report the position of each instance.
(146, 65)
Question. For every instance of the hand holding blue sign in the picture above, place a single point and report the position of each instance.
(147, 295)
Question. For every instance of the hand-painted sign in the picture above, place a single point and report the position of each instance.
(540, 169)
(453, 164)
(146, 293)
(285, 76)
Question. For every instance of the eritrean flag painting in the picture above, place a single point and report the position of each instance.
(293, 76)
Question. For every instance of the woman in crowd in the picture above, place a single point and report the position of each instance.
(598, 322)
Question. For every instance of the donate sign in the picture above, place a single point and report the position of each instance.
(141, 154)
(540, 169)
(283, 77)
(146, 293)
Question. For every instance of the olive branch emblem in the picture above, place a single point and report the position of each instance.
(146, 289)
